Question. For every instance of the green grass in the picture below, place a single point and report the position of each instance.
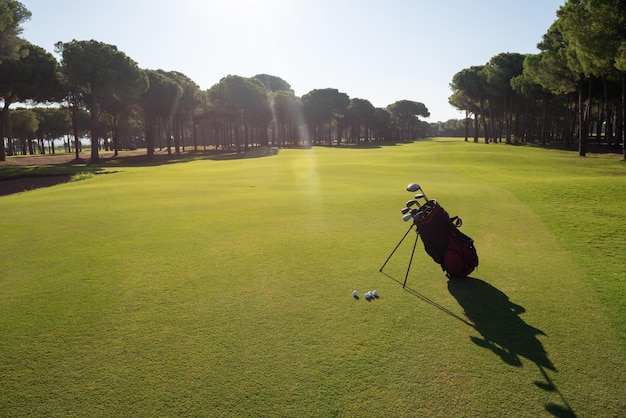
(223, 288)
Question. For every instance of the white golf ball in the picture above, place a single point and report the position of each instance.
(374, 293)
(355, 294)
(368, 296)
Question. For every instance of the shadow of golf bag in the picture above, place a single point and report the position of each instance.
(450, 248)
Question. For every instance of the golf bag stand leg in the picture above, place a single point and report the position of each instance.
(406, 276)
(394, 250)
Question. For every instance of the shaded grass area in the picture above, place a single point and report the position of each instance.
(25, 173)
(223, 288)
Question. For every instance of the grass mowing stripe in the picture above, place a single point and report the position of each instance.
(580, 201)
(224, 288)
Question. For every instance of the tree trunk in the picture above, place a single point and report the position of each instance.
(484, 120)
(3, 153)
(466, 126)
(75, 129)
(149, 131)
(476, 128)
(330, 134)
(622, 125)
(580, 117)
(115, 134)
(176, 127)
(567, 130)
(9, 133)
(94, 128)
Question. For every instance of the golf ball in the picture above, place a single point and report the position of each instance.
(368, 296)
(355, 294)
(374, 293)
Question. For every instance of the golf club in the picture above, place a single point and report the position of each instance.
(410, 214)
(413, 187)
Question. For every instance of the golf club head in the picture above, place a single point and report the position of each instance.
(411, 203)
(420, 196)
(407, 217)
(405, 210)
(413, 187)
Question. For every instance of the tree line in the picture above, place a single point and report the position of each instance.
(102, 94)
(573, 89)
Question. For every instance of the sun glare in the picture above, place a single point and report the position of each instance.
(239, 7)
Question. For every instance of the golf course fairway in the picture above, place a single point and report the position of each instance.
(223, 287)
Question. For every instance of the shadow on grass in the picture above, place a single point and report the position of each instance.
(18, 185)
(163, 158)
(428, 300)
(25, 174)
(503, 331)
(491, 313)
(498, 321)
(256, 152)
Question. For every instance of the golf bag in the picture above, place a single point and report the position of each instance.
(450, 248)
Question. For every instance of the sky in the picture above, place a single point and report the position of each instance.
(379, 50)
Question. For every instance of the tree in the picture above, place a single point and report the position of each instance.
(12, 15)
(406, 114)
(286, 110)
(360, 116)
(159, 104)
(462, 101)
(381, 124)
(185, 108)
(273, 84)
(550, 67)
(54, 123)
(31, 77)
(531, 95)
(451, 127)
(120, 106)
(595, 31)
(500, 70)
(321, 108)
(551, 71)
(25, 125)
(620, 64)
(469, 92)
(243, 107)
(98, 72)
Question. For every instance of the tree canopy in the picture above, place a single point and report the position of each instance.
(573, 88)
(569, 88)
(12, 15)
(98, 72)
(32, 76)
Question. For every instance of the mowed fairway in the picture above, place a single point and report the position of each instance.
(224, 288)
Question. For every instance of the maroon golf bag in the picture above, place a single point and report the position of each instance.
(443, 241)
